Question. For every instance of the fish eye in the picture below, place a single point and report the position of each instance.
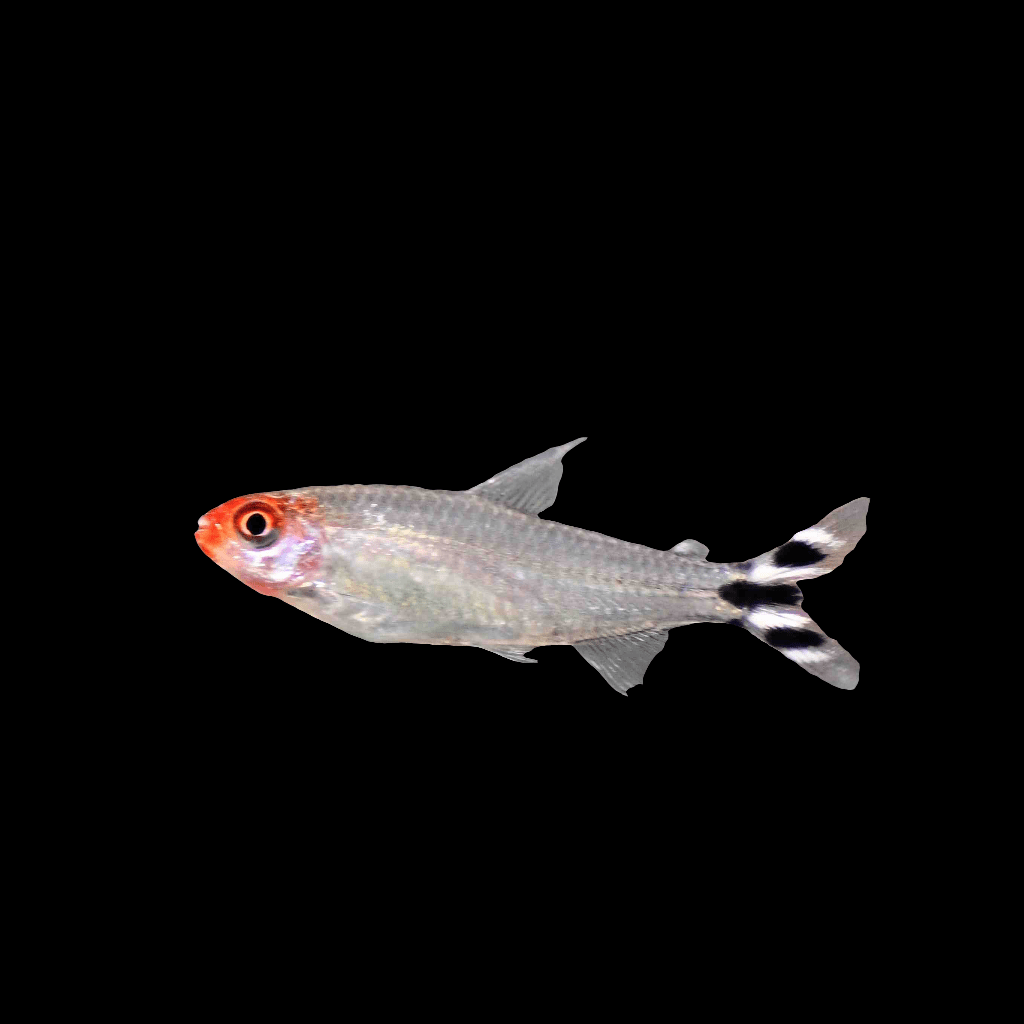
(256, 524)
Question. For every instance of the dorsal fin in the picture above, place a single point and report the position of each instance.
(529, 486)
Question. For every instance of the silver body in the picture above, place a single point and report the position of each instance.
(402, 564)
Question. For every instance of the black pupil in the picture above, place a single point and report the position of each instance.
(256, 524)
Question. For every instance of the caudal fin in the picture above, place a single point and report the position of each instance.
(768, 601)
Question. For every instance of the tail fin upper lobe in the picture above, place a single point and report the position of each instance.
(769, 600)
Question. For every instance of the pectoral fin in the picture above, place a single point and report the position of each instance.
(529, 486)
(623, 660)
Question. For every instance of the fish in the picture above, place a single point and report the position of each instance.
(480, 568)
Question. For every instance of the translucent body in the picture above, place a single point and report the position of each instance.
(405, 564)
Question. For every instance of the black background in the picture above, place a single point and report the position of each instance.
(723, 336)
(345, 277)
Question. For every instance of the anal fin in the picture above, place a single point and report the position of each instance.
(623, 660)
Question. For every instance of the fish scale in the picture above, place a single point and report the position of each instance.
(395, 564)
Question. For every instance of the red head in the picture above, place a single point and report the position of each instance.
(271, 542)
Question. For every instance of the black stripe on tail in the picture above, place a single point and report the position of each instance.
(797, 553)
(750, 595)
(793, 637)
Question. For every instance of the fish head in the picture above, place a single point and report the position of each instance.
(271, 542)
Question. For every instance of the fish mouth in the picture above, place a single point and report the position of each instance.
(205, 536)
(201, 541)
